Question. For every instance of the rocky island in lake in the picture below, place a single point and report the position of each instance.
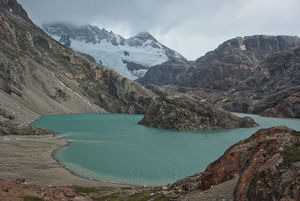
(184, 113)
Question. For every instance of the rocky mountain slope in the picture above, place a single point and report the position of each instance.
(165, 73)
(273, 89)
(112, 50)
(14, 8)
(40, 76)
(224, 68)
(184, 113)
(255, 74)
(234, 60)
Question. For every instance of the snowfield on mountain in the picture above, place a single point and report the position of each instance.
(112, 50)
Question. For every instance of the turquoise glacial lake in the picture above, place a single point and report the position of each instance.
(114, 148)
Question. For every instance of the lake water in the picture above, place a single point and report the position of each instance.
(114, 148)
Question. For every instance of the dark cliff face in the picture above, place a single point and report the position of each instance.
(166, 73)
(13, 7)
(234, 60)
(277, 71)
(272, 89)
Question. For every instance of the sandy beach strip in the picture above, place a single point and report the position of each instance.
(30, 157)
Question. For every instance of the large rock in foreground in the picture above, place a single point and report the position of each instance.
(184, 113)
(267, 164)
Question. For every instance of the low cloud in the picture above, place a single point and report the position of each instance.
(192, 27)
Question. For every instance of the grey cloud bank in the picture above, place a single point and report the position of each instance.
(191, 27)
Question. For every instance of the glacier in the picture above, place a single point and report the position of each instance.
(112, 50)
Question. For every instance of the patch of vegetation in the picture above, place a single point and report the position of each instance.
(146, 195)
(162, 198)
(31, 198)
(112, 197)
(84, 190)
(296, 133)
(140, 196)
(291, 154)
(143, 196)
(22, 43)
(126, 188)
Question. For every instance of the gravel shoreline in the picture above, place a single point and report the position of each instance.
(31, 158)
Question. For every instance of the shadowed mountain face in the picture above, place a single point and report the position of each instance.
(15, 8)
(166, 73)
(40, 76)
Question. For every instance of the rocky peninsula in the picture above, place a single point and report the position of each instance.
(184, 113)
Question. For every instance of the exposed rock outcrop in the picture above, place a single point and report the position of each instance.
(272, 89)
(157, 90)
(15, 8)
(12, 191)
(266, 164)
(234, 60)
(11, 128)
(184, 113)
(166, 73)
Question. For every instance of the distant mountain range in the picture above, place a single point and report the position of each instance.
(129, 57)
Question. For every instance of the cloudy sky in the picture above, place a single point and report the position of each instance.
(191, 27)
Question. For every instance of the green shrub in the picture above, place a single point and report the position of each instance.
(291, 154)
(31, 198)
(296, 133)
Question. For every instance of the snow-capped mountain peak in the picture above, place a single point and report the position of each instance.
(129, 57)
(143, 39)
